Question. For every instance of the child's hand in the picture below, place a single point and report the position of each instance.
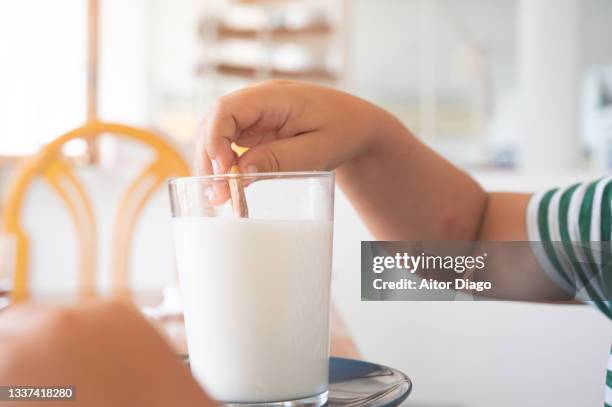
(288, 126)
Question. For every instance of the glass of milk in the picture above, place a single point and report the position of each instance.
(256, 290)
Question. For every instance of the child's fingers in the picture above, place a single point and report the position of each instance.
(278, 122)
(217, 133)
(252, 113)
(217, 192)
(202, 160)
(250, 139)
(307, 152)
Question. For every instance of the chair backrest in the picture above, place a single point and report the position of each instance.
(50, 165)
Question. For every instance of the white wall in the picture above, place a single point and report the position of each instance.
(384, 41)
(124, 61)
(385, 56)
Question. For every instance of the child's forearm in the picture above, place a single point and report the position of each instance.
(405, 191)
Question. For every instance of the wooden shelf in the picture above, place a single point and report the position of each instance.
(318, 31)
(259, 2)
(225, 32)
(251, 73)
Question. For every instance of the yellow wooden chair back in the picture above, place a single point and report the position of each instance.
(49, 165)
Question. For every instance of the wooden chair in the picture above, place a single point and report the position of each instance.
(50, 165)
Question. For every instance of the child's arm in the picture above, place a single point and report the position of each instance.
(402, 189)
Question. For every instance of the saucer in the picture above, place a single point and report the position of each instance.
(359, 383)
(356, 383)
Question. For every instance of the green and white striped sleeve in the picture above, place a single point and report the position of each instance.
(571, 231)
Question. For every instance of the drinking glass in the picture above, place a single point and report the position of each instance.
(256, 289)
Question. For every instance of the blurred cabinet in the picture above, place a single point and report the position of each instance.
(246, 41)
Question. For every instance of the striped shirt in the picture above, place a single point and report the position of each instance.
(574, 226)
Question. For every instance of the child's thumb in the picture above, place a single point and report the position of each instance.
(299, 153)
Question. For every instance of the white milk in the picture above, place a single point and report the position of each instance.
(256, 298)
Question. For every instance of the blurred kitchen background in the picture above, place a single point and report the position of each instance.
(518, 92)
